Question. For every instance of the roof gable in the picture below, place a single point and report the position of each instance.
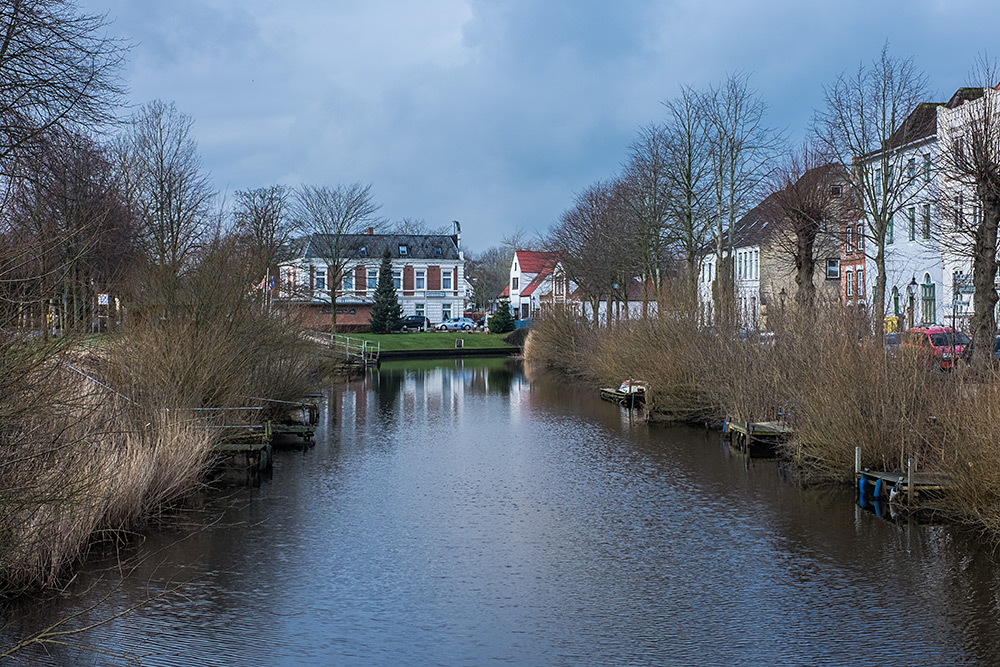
(534, 261)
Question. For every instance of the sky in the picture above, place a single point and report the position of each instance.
(496, 113)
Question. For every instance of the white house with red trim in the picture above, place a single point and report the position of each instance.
(537, 280)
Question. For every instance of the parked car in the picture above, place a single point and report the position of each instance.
(416, 322)
(456, 324)
(967, 352)
(942, 346)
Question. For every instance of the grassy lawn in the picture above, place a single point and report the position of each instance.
(444, 340)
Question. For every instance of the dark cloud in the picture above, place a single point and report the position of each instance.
(494, 112)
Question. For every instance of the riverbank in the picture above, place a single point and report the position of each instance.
(98, 440)
(838, 388)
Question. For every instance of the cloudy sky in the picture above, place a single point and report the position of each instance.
(496, 112)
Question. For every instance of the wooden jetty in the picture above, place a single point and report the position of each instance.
(755, 439)
(255, 442)
(898, 487)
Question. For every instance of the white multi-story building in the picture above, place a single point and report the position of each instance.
(428, 272)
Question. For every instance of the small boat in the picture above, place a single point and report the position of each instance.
(630, 393)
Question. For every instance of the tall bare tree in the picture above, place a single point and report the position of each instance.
(261, 224)
(807, 201)
(744, 153)
(58, 71)
(689, 181)
(872, 115)
(169, 194)
(598, 245)
(970, 170)
(646, 185)
(331, 217)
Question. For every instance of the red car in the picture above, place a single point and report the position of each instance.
(942, 345)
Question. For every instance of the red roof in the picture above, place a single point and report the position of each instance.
(535, 282)
(505, 292)
(532, 261)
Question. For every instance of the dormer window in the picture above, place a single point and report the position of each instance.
(835, 191)
(437, 251)
(364, 251)
(403, 251)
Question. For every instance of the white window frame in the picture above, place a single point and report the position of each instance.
(420, 279)
(446, 279)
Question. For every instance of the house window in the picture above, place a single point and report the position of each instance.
(911, 168)
(437, 251)
(420, 279)
(513, 283)
(446, 280)
(927, 166)
(445, 311)
(860, 276)
(928, 308)
(319, 280)
(558, 285)
(372, 277)
(861, 237)
(403, 251)
(363, 252)
(835, 191)
(890, 231)
(850, 239)
(925, 222)
(849, 279)
(397, 280)
(895, 301)
(911, 215)
(878, 181)
(957, 212)
(348, 280)
(833, 268)
(756, 264)
(419, 309)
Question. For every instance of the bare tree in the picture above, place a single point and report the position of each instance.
(58, 72)
(331, 217)
(261, 224)
(170, 196)
(419, 226)
(646, 185)
(598, 245)
(689, 182)
(744, 152)
(807, 200)
(970, 170)
(871, 117)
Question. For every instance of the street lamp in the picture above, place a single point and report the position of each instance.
(911, 291)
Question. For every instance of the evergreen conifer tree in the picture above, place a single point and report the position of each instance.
(387, 314)
(502, 321)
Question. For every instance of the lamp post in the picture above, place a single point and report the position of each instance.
(911, 291)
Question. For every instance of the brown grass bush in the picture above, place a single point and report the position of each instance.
(87, 454)
(824, 373)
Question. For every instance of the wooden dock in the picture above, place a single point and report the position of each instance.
(898, 487)
(255, 442)
(755, 439)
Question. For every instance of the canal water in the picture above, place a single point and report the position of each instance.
(468, 513)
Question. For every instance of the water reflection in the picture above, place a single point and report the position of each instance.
(463, 512)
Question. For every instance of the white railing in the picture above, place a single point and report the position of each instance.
(356, 347)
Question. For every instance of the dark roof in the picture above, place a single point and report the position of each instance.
(964, 95)
(755, 226)
(922, 122)
(418, 246)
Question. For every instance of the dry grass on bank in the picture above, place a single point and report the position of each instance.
(836, 384)
(80, 461)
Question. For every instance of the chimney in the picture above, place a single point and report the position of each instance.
(371, 231)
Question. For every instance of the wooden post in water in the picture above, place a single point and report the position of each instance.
(857, 460)
(909, 481)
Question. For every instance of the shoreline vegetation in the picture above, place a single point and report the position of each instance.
(104, 436)
(826, 373)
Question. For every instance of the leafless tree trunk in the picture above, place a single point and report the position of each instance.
(744, 151)
(870, 116)
(261, 224)
(330, 216)
(689, 181)
(804, 207)
(168, 193)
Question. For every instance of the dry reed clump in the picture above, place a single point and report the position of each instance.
(560, 341)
